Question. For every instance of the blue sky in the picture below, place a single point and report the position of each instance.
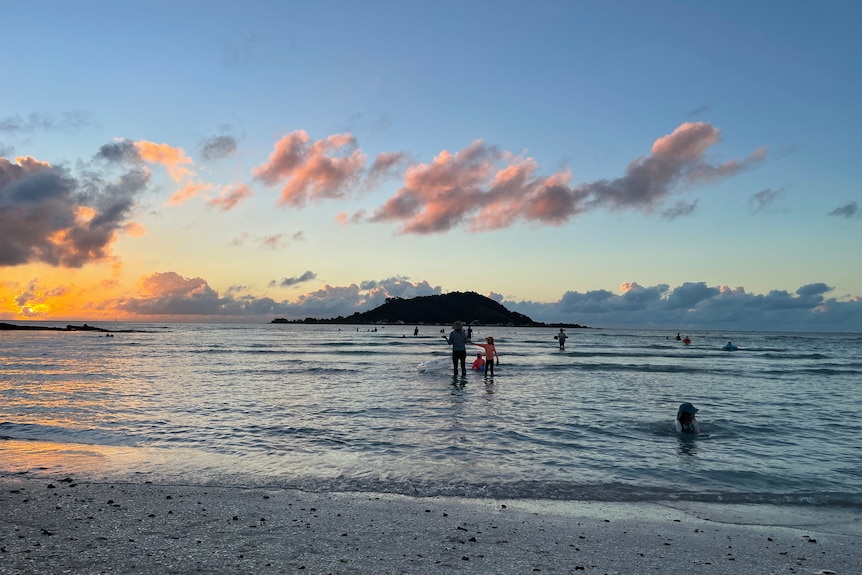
(662, 164)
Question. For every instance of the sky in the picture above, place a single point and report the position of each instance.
(671, 165)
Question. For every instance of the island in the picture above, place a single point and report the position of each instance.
(469, 307)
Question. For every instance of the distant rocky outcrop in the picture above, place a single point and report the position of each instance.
(468, 307)
(84, 327)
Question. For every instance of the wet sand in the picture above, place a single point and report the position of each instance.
(70, 526)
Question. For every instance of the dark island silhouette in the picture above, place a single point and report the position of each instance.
(469, 307)
(85, 327)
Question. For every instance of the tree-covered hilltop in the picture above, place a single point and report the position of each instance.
(468, 307)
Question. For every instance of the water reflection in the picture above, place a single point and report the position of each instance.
(687, 444)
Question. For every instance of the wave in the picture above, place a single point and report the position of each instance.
(56, 434)
(611, 492)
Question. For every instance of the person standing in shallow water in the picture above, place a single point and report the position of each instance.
(490, 354)
(458, 340)
(561, 337)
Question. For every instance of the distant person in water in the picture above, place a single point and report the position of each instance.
(490, 354)
(677, 337)
(458, 340)
(415, 331)
(469, 333)
(561, 337)
(685, 420)
(479, 363)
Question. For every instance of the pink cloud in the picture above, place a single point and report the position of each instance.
(437, 196)
(230, 197)
(488, 189)
(311, 171)
(188, 191)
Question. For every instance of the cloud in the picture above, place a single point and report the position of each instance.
(334, 301)
(679, 209)
(71, 121)
(179, 166)
(120, 151)
(486, 189)
(385, 165)
(230, 197)
(173, 159)
(762, 201)
(696, 305)
(312, 171)
(272, 241)
(290, 282)
(47, 215)
(849, 210)
(344, 219)
(690, 306)
(169, 293)
(700, 110)
(218, 147)
(33, 302)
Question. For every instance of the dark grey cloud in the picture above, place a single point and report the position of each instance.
(123, 151)
(700, 110)
(848, 210)
(169, 293)
(764, 201)
(696, 305)
(49, 215)
(71, 121)
(296, 280)
(681, 208)
(218, 147)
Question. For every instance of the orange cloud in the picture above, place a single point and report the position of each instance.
(33, 300)
(173, 159)
(179, 167)
(135, 230)
(187, 192)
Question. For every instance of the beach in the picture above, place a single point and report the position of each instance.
(66, 526)
(318, 450)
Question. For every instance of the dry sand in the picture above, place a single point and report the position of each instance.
(65, 526)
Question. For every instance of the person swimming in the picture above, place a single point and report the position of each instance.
(685, 419)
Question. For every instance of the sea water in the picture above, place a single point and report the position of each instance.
(347, 408)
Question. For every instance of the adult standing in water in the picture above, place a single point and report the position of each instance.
(561, 337)
(458, 340)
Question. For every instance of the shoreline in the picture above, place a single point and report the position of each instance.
(79, 526)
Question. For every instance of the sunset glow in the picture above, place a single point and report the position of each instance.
(663, 180)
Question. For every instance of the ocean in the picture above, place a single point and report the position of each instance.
(347, 408)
